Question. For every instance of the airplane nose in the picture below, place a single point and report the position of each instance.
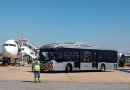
(11, 50)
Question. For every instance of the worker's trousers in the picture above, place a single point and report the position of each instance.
(37, 73)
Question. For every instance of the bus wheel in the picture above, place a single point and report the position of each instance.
(68, 68)
(102, 68)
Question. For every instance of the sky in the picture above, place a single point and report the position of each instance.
(98, 22)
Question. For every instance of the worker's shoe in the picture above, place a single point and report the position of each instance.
(35, 81)
(39, 81)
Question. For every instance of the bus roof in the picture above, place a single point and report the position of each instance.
(76, 45)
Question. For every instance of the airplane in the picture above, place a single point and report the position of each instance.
(13, 49)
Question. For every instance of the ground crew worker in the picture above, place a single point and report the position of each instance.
(36, 67)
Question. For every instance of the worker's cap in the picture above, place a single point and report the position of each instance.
(36, 59)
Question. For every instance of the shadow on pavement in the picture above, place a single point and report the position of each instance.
(29, 71)
(84, 71)
(29, 81)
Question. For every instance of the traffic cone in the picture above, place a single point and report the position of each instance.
(6, 65)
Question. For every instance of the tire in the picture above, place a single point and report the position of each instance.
(68, 68)
(102, 68)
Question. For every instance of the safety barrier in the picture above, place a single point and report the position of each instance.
(49, 66)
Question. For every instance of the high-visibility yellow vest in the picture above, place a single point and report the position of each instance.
(36, 65)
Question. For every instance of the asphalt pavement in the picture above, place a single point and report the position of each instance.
(52, 85)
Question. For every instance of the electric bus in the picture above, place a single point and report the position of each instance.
(76, 56)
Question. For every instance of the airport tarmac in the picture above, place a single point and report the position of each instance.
(23, 73)
(53, 85)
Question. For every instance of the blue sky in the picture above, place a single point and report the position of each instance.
(98, 22)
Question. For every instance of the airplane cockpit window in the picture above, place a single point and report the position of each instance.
(12, 45)
(6, 44)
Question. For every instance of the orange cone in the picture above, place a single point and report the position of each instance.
(6, 64)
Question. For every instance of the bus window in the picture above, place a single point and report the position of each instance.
(87, 56)
(68, 55)
(59, 55)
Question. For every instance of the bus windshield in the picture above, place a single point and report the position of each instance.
(46, 56)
